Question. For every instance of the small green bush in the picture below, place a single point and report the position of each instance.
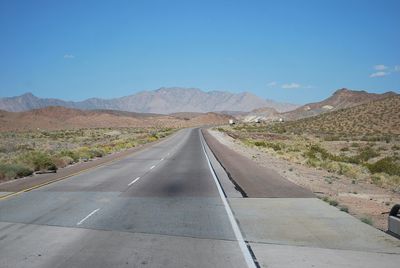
(275, 146)
(331, 138)
(260, 144)
(315, 151)
(367, 153)
(96, 152)
(72, 154)
(386, 165)
(344, 209)
(38, 160)
(376, 180)
(13, 171)
(333, 203)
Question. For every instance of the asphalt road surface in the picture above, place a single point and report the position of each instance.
(160, 207)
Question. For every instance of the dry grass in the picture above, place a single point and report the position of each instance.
(22, 153)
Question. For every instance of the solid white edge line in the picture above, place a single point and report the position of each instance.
(135, 180)
(84, 219)
(239, 237)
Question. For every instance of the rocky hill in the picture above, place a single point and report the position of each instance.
(260, 114)
(161, 101)
(342, 98)
(381, 116)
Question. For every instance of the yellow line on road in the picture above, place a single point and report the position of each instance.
(62, 178)
(82, 171)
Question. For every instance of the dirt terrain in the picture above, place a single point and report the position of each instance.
(57, 118)
(364, 200)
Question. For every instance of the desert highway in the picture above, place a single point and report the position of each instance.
(173, 205)
(160, 207)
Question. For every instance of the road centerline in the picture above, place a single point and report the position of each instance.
(88, 216)
(152, 167)
(135, 180)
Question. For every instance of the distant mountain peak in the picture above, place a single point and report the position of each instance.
(27, 94)
(164, 100)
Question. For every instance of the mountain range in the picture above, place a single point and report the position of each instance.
(160, 101)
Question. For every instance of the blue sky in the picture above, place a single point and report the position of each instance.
(294, 51)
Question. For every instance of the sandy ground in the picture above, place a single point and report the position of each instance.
(363, 200)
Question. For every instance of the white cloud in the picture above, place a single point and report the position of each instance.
(380, 67)
(379, 74)
(69, 56)
(272, 84)
(291, 85)
(397, 68)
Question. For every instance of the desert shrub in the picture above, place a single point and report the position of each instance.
(275, 146)
(367, 153)
(355, 144)
(38, 160)
(260, 144)
(344, 149)
(72, 154)
(333, 203)
(154, 134)
(346, 159)
(331, 138)
(315, 151)
(152, 138)
(83, 152)
(13, 171)
(313, 162)
(386, 165)
(247, 142)
(344, 209)
(63, 161)
(376, 179)
(325, 199)
(395, 147)
(8, 147)
(107, 149)
(350, 171)
(330, 166)
(96, 152)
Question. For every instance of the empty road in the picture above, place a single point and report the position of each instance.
(160, 207)
(163, 206)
